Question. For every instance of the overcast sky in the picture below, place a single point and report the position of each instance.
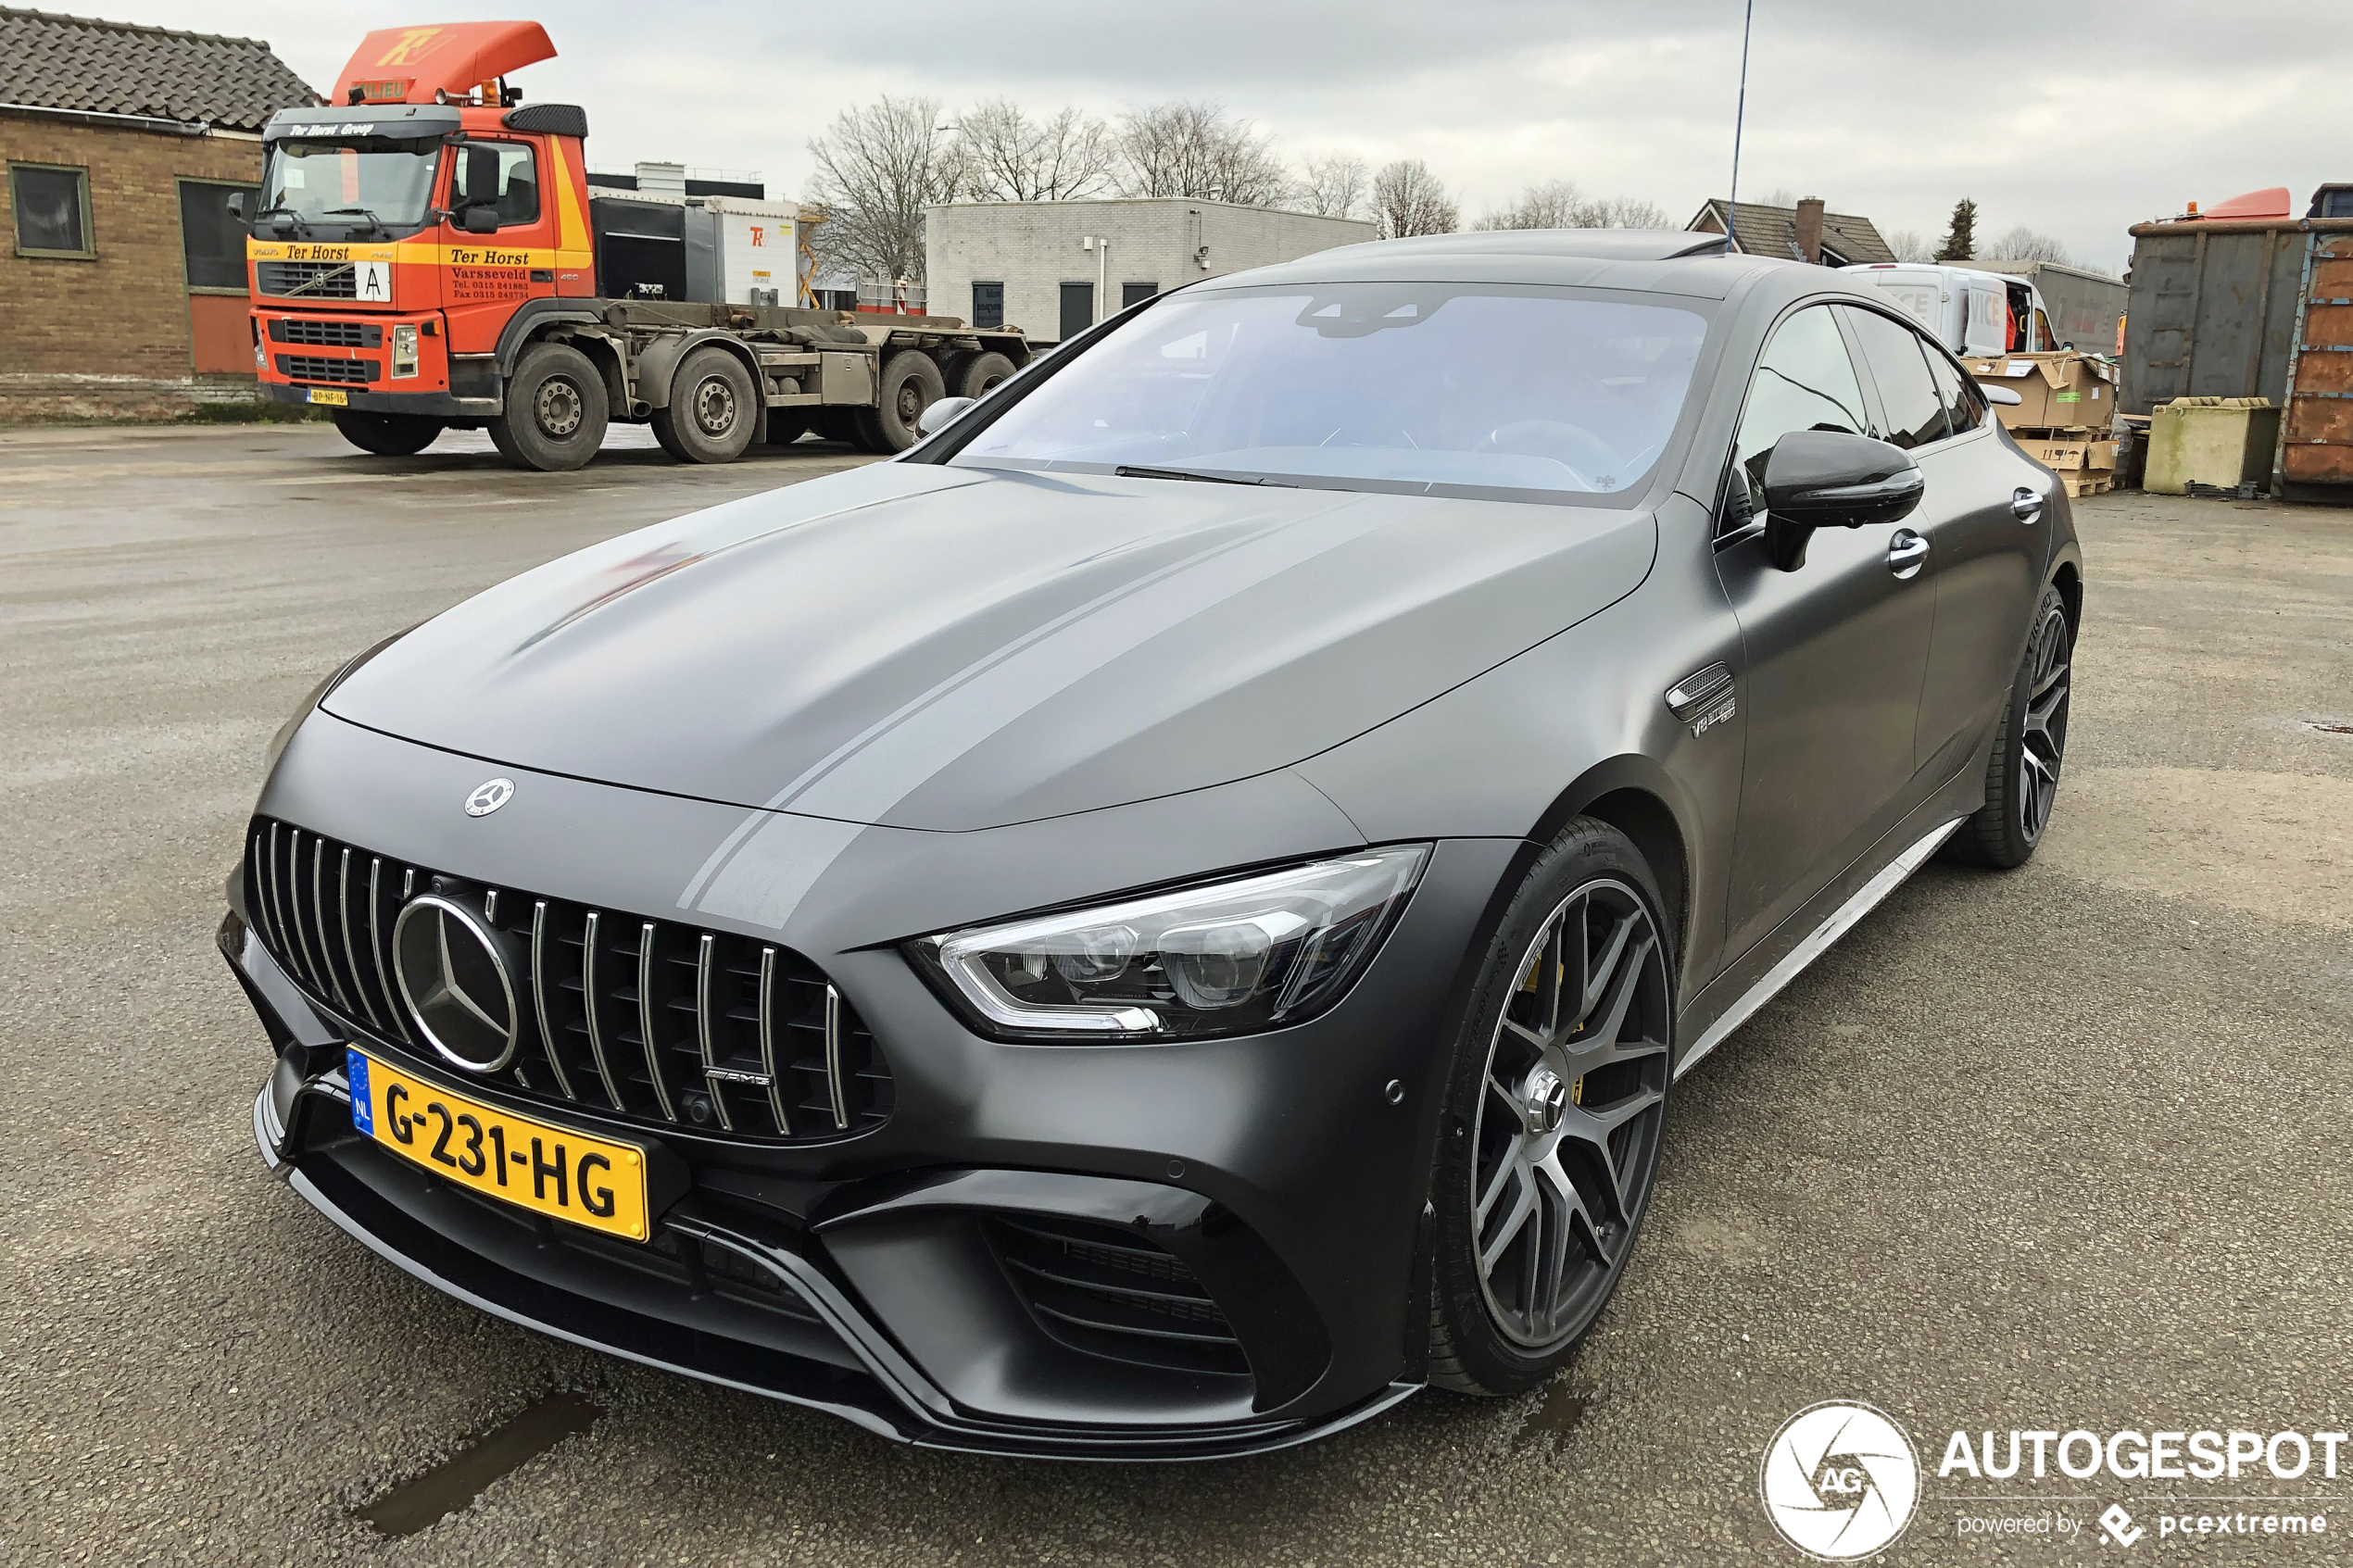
(2078, 121)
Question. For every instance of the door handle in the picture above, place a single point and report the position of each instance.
(1907, 553)
(2026, 505)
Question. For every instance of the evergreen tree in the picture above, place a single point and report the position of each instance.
(1960, 239)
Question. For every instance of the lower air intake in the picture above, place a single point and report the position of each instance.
(1112, 1293)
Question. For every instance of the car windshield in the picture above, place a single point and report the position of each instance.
(347, 182)
(1436, 388)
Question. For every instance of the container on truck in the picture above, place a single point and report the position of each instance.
(425, 254)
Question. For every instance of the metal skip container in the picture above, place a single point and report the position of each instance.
(2252, 307)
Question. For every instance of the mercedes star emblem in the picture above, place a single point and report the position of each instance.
(488, 797)
(455, 982)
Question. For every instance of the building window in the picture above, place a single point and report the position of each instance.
(53, 209)
(1078, 308)
(988, 305)
(212, 242)
(1136, 294)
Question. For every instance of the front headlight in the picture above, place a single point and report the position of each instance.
(404, 351)
(1226, 959)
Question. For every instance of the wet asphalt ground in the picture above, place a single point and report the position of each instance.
(2060, 1149)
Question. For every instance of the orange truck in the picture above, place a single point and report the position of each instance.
(424, 254)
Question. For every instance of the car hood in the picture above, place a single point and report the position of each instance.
(947, 648)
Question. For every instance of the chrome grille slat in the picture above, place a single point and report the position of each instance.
(779, 1052)
(648, 1035)
(588, 1007)
(539, 998)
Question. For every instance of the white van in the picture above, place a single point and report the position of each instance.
(1969, 311)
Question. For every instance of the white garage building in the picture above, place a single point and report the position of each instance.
(1053, 268)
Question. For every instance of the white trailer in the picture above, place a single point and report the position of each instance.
(1969, 311)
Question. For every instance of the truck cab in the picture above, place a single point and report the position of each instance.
(1968, 311)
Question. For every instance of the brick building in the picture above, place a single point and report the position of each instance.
(123, 281)
(1055, 267)
(1803, 233)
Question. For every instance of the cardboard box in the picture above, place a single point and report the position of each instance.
(2059, 456)
(2066, 390)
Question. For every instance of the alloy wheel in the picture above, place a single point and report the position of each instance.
(2043, 734)
(1570, 1113)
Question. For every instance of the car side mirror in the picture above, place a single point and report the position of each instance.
(940, 415)
(1832, 479)
(482, 218)
(236, 206)
(2006, 396)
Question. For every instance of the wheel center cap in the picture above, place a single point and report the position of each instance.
(1547, 1100)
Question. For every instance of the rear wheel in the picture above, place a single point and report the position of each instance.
(713, 409)
(555, 411)
(979, 375)
(387, 435)
(2021, 778)
(1556, 1107)
(910, 382)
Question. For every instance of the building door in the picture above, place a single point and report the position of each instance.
(1136, 294)
(1078, 308)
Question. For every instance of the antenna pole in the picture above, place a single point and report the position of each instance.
(1739, 112)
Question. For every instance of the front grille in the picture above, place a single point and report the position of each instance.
(312, 280)
(1112, 1293)
(327, 334)
(662, 1022)
(312, 367)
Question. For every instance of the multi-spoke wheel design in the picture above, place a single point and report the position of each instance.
(1572, 1106)
(2043, 727)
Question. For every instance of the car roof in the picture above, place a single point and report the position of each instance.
(1651, 260)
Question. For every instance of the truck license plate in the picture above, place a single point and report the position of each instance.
(559, 1171)
(328, 395)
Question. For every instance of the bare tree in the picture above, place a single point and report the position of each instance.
(877, 169)
(1560, 205)
(1908, 245)
(1409, 199)
(2023, 244)
(1198, 150)
(1333, 186)
(1009, 157)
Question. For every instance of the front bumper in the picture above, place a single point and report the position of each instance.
(871, 1276)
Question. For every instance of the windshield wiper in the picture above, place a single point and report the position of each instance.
(282, 210)
(373, 220)
(1125, 471)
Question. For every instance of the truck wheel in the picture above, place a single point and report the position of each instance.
(387, 435)
(712, 411)
(981, 374)
(555, 411)
(786, 426)
(910, 382)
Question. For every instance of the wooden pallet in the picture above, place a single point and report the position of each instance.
(2096, 482)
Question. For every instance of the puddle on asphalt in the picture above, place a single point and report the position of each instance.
(1556, 1415)
(425, 1500)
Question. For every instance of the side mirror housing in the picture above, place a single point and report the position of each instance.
(482, 218)
(236, 206)
(938, 416)
(2006, 396)
(1832, 479)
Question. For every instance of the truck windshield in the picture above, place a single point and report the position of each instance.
(349, 184)
(1429, 388)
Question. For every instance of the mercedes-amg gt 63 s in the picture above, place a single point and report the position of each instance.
(1166, 918)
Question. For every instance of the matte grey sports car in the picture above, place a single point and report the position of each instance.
(1165, 918)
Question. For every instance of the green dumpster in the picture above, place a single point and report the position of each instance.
(2222, 441)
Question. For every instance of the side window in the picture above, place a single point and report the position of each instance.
(1964, 405)
(1914, 413)
(511, 182)
(1805, 382)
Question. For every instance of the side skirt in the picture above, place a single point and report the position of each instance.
(1866, 898)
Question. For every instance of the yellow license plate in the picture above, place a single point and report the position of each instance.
(559, 1172)
(327, 394)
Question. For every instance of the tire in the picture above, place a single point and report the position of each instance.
(836, 424)
(712, 411)
(387, 435)
(979, 375)
(1566, 1176)
(786, 426)
(2022, 777)
(557, 410)
(910, 382)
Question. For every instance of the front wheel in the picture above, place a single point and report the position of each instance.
(555, 411)
(1556, 1110)
(713, 410)
(387, 436)
(2021, 778)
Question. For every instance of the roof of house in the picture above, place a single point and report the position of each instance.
(1772, 231)
(59, 62)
